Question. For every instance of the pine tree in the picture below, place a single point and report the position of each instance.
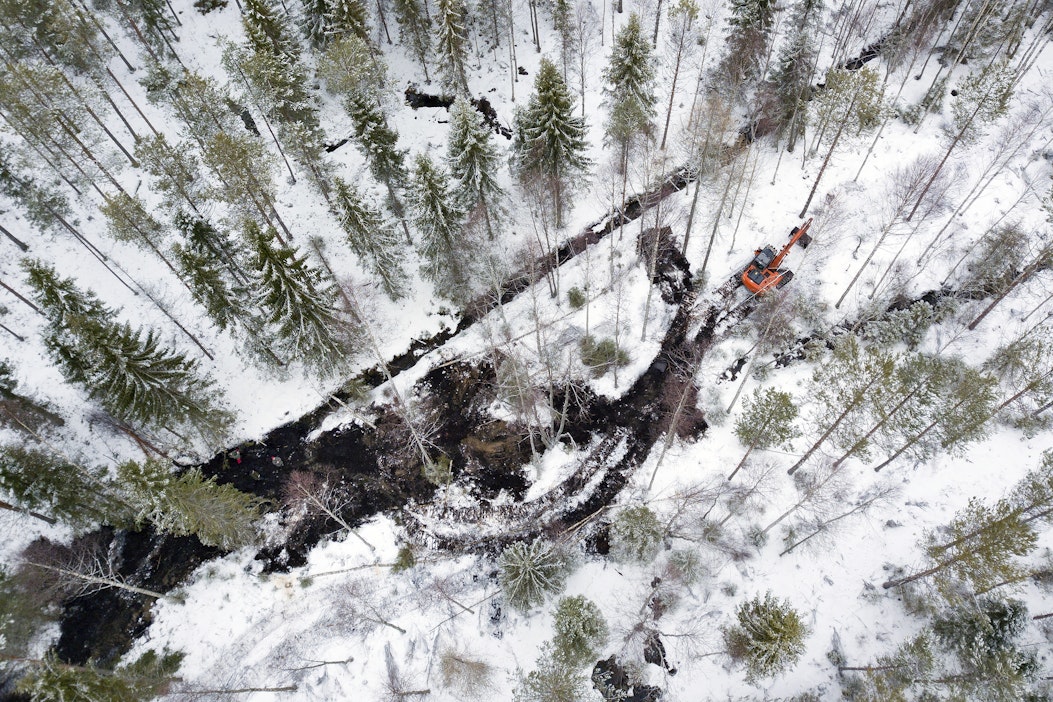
(267, 30)
(296, 301)
(348, 66)
(982, 98)
(129, 220)
(219, 515)
(549, 138)
(440, 222)
(842, 392)
(451, 43)
(176, 171)
(768, 638)
(415, 31)
(50, 484)
(767, 421)
(636, 535)
(529, 572)
(278, 84)
(371, 237)
(979, 549)
(554, 680)
(243, 168)
(473, 163)
(155, 18)
(42, 204)
(580, 630)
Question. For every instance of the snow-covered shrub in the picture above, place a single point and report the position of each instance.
(577, 298)
(438, 472)
(404, 560)
(600, 356)
(768, 638)
(552, 681)
(685, 566)
(206, 6)
(470, 677)
(531, 571)
(636, 535)
(580, 630)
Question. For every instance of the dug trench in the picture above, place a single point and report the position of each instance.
(378, 474)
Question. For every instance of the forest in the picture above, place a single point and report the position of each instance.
(526, 350)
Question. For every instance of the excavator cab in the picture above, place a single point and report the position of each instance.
(763, 272)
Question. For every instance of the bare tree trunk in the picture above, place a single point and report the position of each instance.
(829, 153)
(860, 395)
(14, 240)
(36, 515)
(1041, 259)
(21, 297)
(96, 580)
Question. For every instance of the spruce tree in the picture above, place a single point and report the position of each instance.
(792, 77)
(474, 160)
(54, 486)
(748, 40)
(218, 514)
(266, 29)
(315, 22)
(630, 90)
(440, 222)
(378, 143)
(415, 31)
(451, 35)
(207, 263)
(125, 369)
(139, 381)
(371, 237)
(550, 138)
(768, 637)
(296, 301)
(51, 680)
(348, 18)
(66, 307)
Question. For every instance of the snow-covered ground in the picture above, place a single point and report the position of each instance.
(319, 627)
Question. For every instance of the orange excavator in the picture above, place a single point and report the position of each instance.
(763, 273)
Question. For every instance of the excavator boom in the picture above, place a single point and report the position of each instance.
(795, 236)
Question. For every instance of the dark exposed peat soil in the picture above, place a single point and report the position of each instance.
(374, 466)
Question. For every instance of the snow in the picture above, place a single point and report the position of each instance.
(239, 627)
